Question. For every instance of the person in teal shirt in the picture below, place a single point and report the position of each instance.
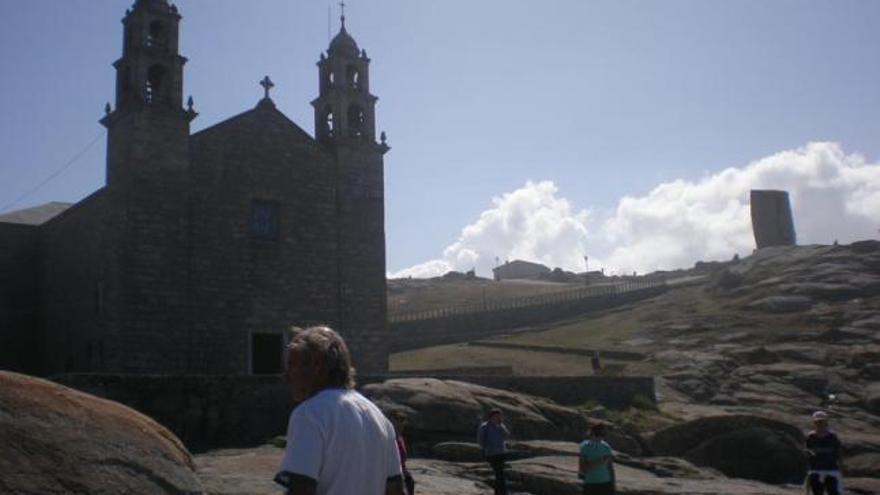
(595, 463)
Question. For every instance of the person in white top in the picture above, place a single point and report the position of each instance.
(338, 442)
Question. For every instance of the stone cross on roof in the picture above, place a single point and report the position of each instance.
(267, 85)
(342, 16)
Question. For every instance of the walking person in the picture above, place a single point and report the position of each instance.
(492, 437)
(596, 363)
(338, 442)
(823, 457)
(398, 419)
(595, 463)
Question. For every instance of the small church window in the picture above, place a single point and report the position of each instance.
(329, 121)
(156, 35)
(356, 120)
(267, 353)
(153, 86)
(331, 78)
(354, 77)
(264, 219)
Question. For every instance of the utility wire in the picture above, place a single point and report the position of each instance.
(55, 173)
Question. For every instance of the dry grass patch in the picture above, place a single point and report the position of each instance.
(462, 355)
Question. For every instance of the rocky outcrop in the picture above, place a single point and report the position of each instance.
(558, 476)
(864, 465)
(739, 446)
(821, 273)
(457, 452)
(863, 486)
(782, 304)
(448, 410)
(872, 398)
(56, 440)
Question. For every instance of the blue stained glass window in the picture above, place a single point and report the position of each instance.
(264, 219)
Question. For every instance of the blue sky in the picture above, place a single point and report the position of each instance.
(603, 99)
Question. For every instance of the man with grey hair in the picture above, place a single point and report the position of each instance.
(338, 442)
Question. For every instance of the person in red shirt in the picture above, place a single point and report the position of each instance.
(398, 419)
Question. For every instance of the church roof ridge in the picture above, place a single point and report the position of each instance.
(266, 106)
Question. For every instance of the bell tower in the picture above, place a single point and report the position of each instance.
(345, 126)
(148, 193)
(344, 109)
(148, 113)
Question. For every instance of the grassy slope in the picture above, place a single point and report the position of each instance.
(642, 327)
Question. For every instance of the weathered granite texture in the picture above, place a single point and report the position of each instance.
(56, 440)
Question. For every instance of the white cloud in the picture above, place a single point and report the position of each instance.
(529, 223)
(834, 195)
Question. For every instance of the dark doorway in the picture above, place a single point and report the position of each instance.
(265, 353)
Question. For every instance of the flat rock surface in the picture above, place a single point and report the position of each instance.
(56, 440)
(250, 471)
(240, 471)
(558, 476)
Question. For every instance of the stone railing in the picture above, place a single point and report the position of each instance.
(551, 298)
(472, 322)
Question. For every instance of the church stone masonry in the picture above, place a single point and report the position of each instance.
(202, 249)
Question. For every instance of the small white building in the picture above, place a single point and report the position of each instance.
(519, 269)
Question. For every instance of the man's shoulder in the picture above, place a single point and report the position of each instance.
(353, 396)
(348, 396)
(318, 402)
(601, 445)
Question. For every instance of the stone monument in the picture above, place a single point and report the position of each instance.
(772, 221)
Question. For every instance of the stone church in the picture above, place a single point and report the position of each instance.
(202, 250)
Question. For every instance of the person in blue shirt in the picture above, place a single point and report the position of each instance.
(595, 463)
(492, 436)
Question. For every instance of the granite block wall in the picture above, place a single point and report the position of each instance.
(20, 331)
(244, 285)
(80, 282)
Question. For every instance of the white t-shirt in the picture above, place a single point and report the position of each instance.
(342, 440)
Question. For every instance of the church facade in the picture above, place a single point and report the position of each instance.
(203, 249)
